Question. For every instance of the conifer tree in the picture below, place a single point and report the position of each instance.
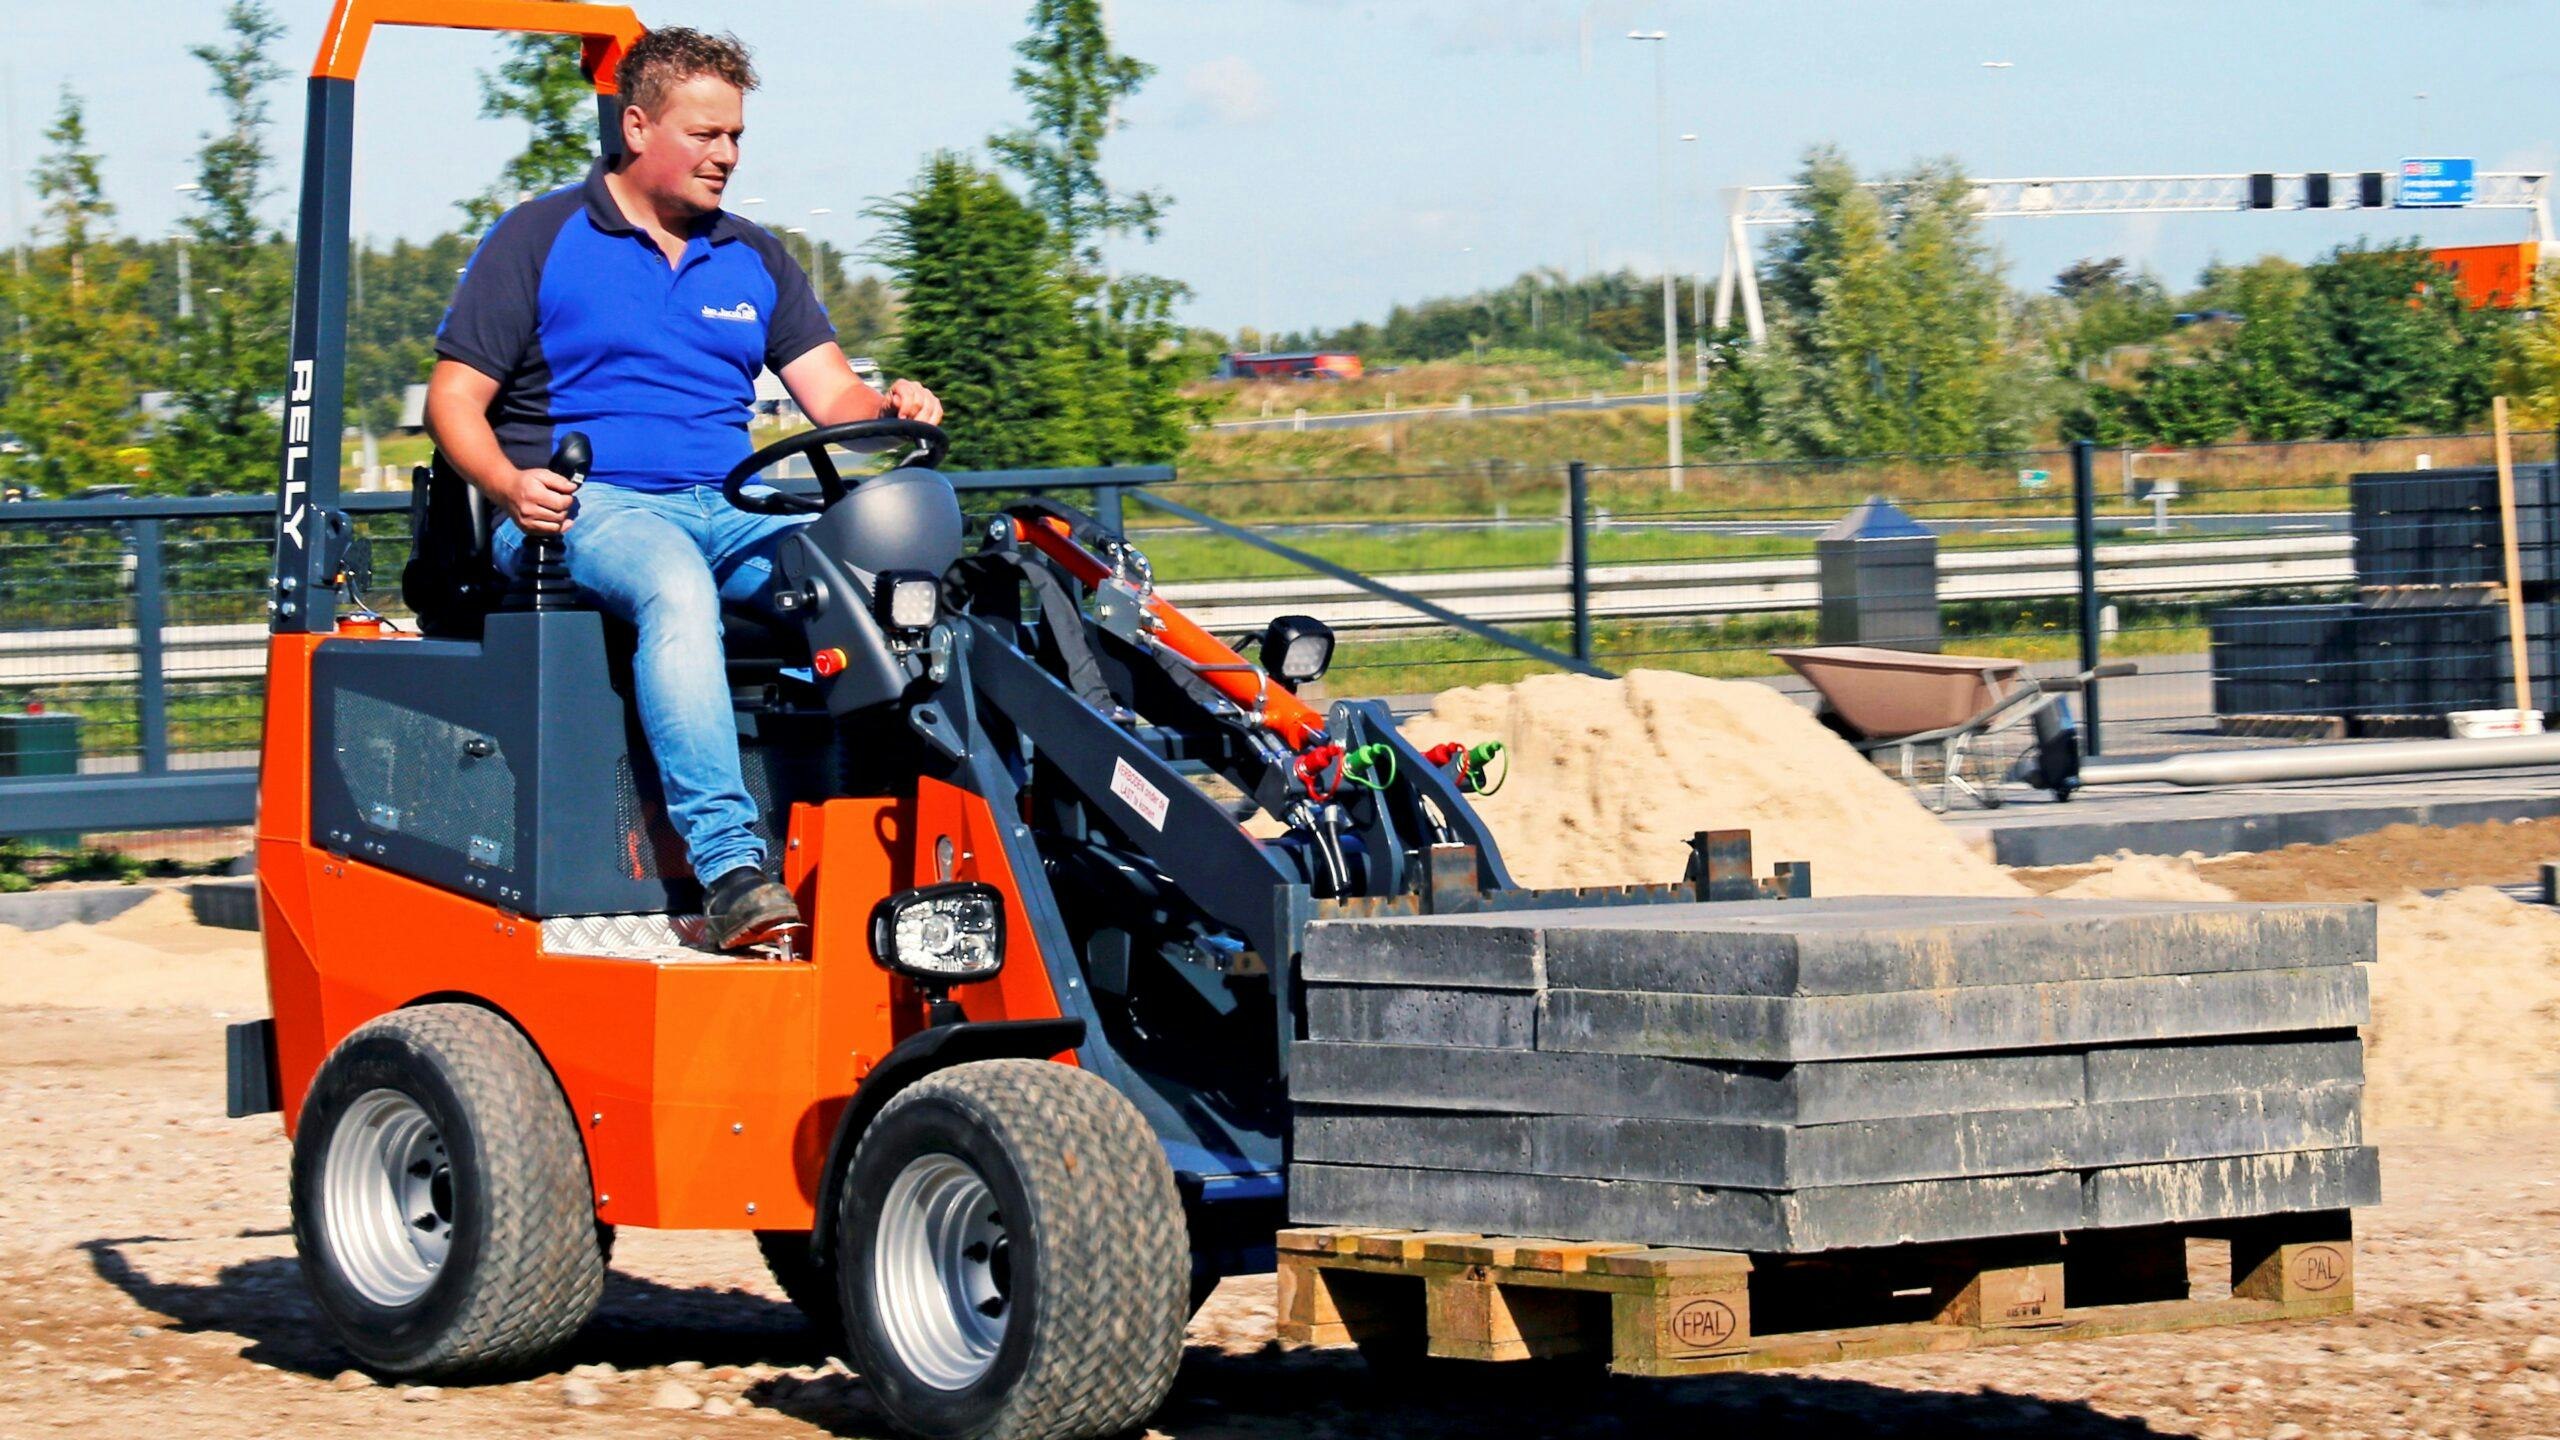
(986, 322)
(228, 360)
(76, 362)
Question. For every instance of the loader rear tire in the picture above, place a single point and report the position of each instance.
(1012, 1259)
(441, 1200)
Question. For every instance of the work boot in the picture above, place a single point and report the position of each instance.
(745, 905)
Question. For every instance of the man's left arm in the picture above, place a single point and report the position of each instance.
(822, 383)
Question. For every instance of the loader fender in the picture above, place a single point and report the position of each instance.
(936, 1048)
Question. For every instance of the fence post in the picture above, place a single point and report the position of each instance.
(1577, 490)
(1106, 508)
(2084, 536)
(150, 614)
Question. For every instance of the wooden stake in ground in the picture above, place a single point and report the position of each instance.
(2516, 646)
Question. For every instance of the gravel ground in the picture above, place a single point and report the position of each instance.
(147, 1286)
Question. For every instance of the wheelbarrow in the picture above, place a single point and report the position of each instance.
(1944, 708)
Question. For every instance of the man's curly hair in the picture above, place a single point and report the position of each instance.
(664, 59)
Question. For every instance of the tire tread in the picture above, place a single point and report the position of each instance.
(1109, 1337)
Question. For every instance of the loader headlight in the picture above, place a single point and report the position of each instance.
(906, 600)
(947, 934)
(1297, 648)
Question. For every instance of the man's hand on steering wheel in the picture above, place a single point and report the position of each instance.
(911, 401)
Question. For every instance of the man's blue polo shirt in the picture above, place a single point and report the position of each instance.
(577, 315)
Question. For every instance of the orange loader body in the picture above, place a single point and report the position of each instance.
(708, 1090)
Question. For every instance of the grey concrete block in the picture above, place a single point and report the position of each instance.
(1764, 1156)
(1539, 1083)
(1957, 1021)
(1703, 1216)
(1481, 952)
(2233, 1187)
(1410, 1015)
(1925, 944)
(2153, 1072)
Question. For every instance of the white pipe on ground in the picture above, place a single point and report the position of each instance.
(2326, 762)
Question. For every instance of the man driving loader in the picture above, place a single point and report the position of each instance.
(636, 310)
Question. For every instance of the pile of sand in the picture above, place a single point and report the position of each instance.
(1610, 777)
(154, 955)
(2127, 876)
(2466, 1013)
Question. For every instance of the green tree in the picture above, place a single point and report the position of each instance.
(1126, 403)
(228, 360)
(987, 321)
(1075, 83)
(540, 82)
(2530, 372)
(1889, 327)
(2396, 348)
(2270, 365)
(78, 355)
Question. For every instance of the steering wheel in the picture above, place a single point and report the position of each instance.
(932, 448)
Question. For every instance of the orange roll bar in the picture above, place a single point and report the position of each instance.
(1287, 716)
(608, 30)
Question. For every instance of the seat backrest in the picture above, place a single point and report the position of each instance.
(449, 582)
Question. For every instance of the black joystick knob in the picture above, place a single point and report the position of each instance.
(547, 584)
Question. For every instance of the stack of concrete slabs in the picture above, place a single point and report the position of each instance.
(1795, 1076)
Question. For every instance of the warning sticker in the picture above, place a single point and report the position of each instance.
(1142, 797)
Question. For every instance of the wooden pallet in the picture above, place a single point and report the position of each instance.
(1665, 1313)
(2283, 727)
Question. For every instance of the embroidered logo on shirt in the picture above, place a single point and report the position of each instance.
(741, 311)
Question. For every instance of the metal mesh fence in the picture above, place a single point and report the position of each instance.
(2306, 591)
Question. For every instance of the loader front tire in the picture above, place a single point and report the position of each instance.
(441, 1201)
(1012, 1260)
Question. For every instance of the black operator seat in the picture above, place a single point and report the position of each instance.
(451, 583)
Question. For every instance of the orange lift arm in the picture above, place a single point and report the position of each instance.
(311, 535)
(1287, 716)
(607, 29)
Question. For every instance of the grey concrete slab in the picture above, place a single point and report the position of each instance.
(1957, 1021)
(1844, 946)
(2152, 1072)
(2235, 1186)
(1409, 1015)
(1425, 950)
(1783, 1157)
(1866, 945)
(1537, 1083)
(1685, 1215)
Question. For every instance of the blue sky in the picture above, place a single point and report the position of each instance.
(1330, 157)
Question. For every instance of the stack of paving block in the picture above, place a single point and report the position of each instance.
(1797, 1076)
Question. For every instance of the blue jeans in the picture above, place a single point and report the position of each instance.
(664, 561)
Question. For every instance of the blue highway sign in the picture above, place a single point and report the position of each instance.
(2434, 184)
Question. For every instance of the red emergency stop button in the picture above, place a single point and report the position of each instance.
(828, 661)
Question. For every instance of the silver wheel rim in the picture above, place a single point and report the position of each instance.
(387, 1198)
(941, 1272)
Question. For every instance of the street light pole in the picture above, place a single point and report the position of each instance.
(1660, 40)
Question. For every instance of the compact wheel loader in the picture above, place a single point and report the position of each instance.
(1011, 1101)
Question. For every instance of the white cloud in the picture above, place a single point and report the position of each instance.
(1227, 91)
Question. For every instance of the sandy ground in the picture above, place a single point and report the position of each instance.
(148, 1286)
